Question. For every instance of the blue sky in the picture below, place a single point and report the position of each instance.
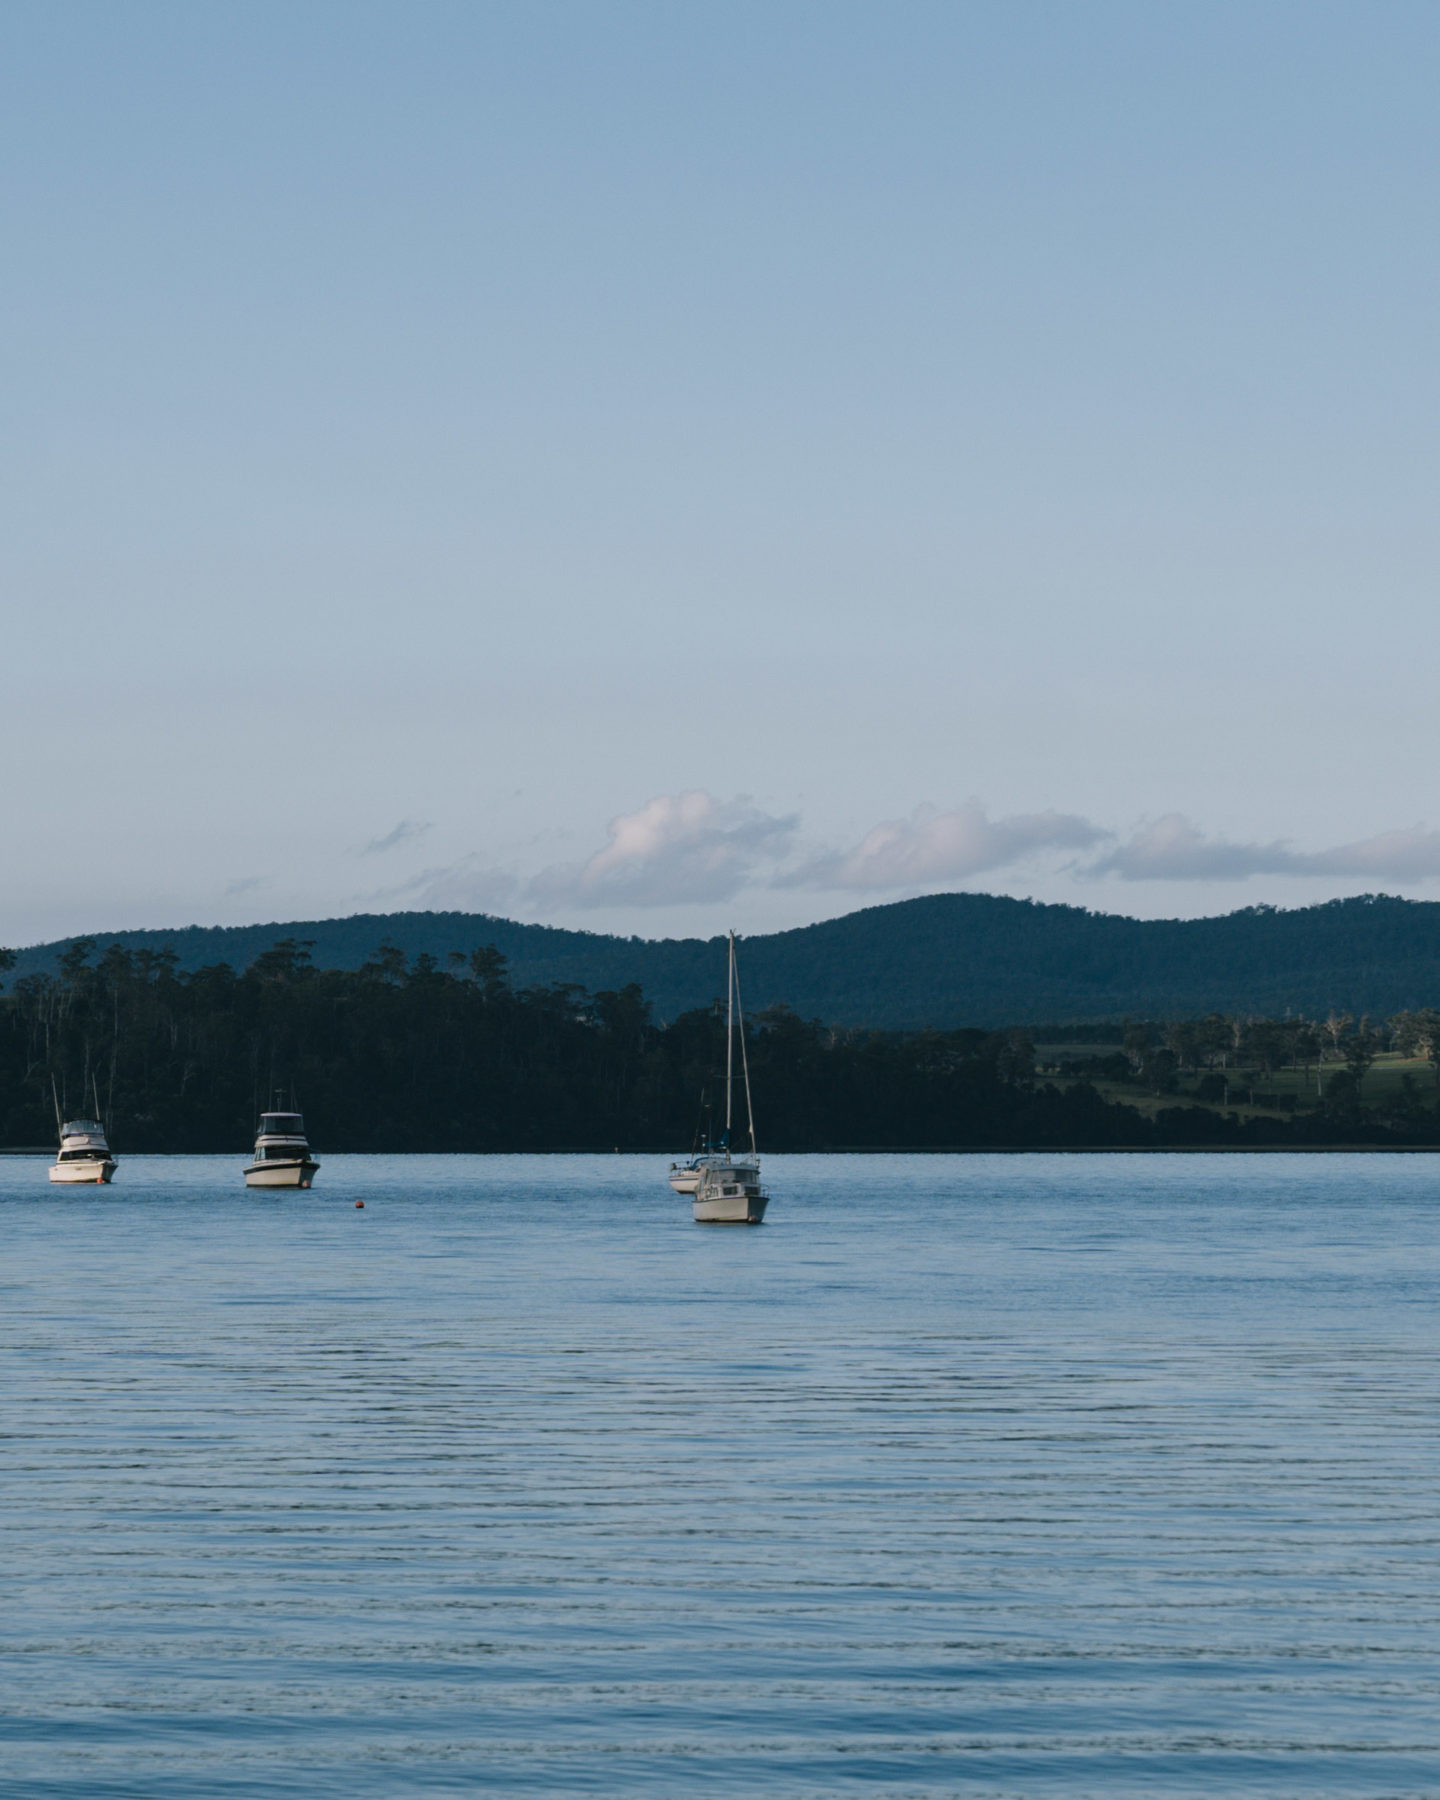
(654, 467)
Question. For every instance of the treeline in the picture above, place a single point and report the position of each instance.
(426, 1053)
(943, 960)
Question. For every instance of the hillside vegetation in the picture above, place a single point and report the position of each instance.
(947, 961)
(405, 1054)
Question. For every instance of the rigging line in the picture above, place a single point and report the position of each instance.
(744, 1056)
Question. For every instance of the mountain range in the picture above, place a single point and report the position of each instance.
(945, 960)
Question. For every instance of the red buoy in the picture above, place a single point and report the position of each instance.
(360, 1203)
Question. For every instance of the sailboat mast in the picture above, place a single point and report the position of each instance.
(729, 1036)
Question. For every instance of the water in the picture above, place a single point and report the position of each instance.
(967, 1476)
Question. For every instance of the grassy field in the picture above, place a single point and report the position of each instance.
(1383, 1083)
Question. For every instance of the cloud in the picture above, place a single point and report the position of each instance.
(247, 884)
(932, 846)
(676, 848)
(404, 833)
(1172, 848)
(1408, 855)
(692, 849)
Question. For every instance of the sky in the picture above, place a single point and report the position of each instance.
(656, 468)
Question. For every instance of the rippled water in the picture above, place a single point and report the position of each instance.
(963, 1475)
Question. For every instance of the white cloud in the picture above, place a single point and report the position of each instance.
(932, 846)
(691, 849)
(1408, 855)
(404, 833)
(1172, 848)
(677, 848)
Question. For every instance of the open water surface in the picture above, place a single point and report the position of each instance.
(1010, 1475)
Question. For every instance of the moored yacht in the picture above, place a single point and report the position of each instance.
(730, 1193)
(724, 1184)
(84, 1153)
(685, 1177)
(282, 1153)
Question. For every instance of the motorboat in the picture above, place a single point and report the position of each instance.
(730, 1193)
(282, 1153)
(724, 1184)
(84, 1153)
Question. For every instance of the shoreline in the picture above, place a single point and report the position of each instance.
(865, 1150)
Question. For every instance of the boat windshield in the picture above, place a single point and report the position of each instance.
(82, 1128)
(281, 1125)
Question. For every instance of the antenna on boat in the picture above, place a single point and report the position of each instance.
(95, 1090)
(701, 1140)
(55, 1093)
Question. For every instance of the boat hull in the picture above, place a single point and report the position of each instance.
(297, 1174)
(685, 1181)
(730, 1209)
(89, 1173)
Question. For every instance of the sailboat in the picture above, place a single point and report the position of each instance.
(685, 1176)
(726, 1184)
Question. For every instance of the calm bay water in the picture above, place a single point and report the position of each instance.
(1030, 1475)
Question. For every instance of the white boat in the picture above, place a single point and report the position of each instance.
(685, 1177)
(724, 1184)
(730, 1194)
(84, 1153)
(282, 1153)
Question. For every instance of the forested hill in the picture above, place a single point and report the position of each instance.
(947, 960)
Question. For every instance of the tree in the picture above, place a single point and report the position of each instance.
(385, 963)
(1267, 1042)
(1359, 1049)
(1216, 1036)
(1186, 1039)
(75, 958)
(1405, 1034)
(1422, 1033)
(1342, 1092)
(1135, 1040)
(1305, 1048)
(1158, 1071)
(1014, 1057)
(285, 961)
(488, 970)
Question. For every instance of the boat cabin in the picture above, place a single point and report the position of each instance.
(286, 1124)
(82, 1140)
